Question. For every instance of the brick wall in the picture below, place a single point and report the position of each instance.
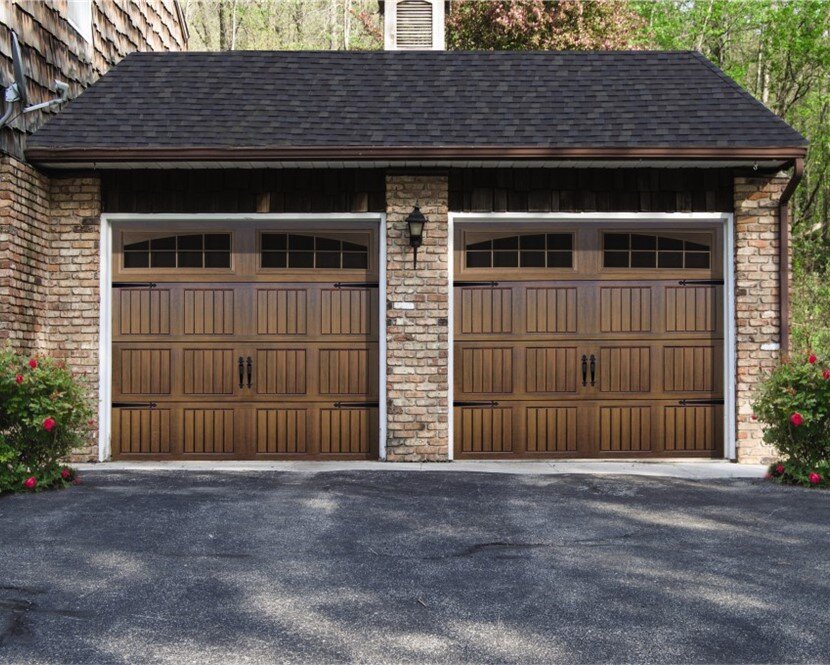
(49, 269)
(756, 302)
(24, 249)
(417, 338)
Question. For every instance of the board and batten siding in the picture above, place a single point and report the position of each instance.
(591, 190)
(470, 190)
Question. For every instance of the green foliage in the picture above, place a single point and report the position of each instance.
(793, 403)
(541, 25)
(811, 315)
(792, 472)
(44, 415)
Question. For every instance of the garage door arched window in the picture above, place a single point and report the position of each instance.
(192, 250)
(643, 250)
(531, 250)
(304, 251)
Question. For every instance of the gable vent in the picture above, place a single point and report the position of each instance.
(414, 24)
(414, 28)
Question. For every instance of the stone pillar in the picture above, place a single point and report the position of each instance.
(417, 324)
(757, 324)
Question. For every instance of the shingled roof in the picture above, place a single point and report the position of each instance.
(455, 104)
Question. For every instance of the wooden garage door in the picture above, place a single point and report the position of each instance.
(589, 341)
(245, 343)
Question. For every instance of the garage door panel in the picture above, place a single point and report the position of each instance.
(693, 367)
(625, 309)
(551, 369)
(552, 429)
(209, 311)
(141, 431)
(281, 310)
(140, 311)
(626, 428)
(487, 369)
(485, 430)
(142, 371)
(347, 371)
(348, 311)
(484, 310)
(692, 429)
(348, 431)
(209, 431)
(624, 368)
(282, 431)
(281, 371)
(551, 310)
(208, 371)
(693, 309)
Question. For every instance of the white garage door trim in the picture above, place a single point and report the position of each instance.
(645, 219)
(105, 308)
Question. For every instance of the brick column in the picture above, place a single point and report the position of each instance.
(417, 330)
(757, 325)
(74, 296)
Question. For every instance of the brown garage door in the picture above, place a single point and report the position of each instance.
(588, 341)
(252, 343)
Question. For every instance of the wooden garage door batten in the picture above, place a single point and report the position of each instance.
(273, 353)
(612, 346)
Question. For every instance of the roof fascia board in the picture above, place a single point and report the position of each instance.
(358, 153)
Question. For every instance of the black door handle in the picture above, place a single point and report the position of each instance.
(250, 371)
(241, 372)
(593, 369)
(584, 370)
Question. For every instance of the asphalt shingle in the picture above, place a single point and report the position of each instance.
(275, 99)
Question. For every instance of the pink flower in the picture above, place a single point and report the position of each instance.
(796, 419)
(768, 476)
(33, 363)
(66, 474)
(30, 483)
(815, 479)
(812, 359)
(753, 417)
(826, 374)
(19, 379)
(49, 424)
(779, 469)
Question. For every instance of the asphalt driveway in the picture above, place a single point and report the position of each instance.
(208, 567)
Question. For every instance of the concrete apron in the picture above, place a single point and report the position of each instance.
(696, 470)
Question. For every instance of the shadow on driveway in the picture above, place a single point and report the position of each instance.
(413, 567)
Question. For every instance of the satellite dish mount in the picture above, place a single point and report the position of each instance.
(17, 92)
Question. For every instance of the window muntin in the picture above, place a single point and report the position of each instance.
(531, 250)
(186, 251)
(645, 251)
(304, 252)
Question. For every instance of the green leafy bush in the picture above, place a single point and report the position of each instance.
(794, 405)
(44, 415)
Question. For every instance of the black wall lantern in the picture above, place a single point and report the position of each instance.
(416, 222)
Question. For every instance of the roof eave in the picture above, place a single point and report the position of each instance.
(102, 156)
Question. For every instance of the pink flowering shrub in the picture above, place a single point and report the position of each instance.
(44, 415)
(793, 404)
